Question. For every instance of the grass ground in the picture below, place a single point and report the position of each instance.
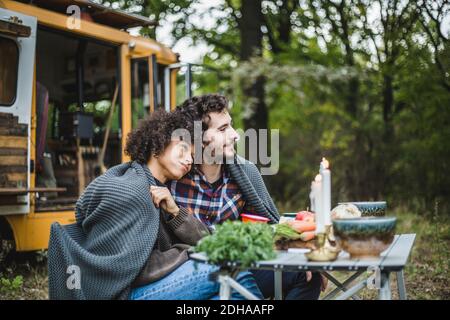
(24, 276)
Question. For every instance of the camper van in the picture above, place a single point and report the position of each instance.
(73, 83)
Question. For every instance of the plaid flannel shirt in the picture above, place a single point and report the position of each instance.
(210, 205)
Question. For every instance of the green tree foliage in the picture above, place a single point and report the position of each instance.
(365, 83)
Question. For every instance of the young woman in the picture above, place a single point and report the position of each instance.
(130, 239)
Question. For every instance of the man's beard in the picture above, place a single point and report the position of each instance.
(210, 156)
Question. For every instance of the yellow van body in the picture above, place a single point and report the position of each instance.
(31, 230)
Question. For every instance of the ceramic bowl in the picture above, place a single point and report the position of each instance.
(366, 237)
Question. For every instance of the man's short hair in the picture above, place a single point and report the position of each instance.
(202, 106)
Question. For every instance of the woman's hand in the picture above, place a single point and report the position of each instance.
(163, 198)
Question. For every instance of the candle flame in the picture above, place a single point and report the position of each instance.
(318, 178)
(325, 163)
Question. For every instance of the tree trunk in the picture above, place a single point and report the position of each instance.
(388, 98)
(250, 29)
(251, 45)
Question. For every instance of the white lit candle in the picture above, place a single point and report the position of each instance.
(312, 205)
(326, 191)
(317, 191)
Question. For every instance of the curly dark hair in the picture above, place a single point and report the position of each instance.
(201, 106)
(154, 134)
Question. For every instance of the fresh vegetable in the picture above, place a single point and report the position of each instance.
(237, 241)
(345, 211)
(285, 231)
(302, 226)
(308, 235)
(305, 216)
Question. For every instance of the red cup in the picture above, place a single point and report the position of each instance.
(253, 218)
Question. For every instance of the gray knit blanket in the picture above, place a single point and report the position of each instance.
(252, 186)
(100, 255)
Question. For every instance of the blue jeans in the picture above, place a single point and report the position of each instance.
(188, 282)
(294, 284)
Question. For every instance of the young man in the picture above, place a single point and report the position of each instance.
(225, 185)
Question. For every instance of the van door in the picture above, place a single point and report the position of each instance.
(17, 56)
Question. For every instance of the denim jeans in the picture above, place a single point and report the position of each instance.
(294, 284)
(188, 282)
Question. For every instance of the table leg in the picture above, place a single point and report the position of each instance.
(241, 289)
(278, 284)
(351, 291)
(385, 288)
(341, 286)
(401, 285)
(225, 289)
(227, 283)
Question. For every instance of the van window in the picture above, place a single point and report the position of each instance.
(161, 92)
(9, 58)
(139, 90)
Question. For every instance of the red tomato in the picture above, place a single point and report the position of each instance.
(304, 216)
(300, 215)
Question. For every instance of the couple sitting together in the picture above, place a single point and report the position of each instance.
(135, 223)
